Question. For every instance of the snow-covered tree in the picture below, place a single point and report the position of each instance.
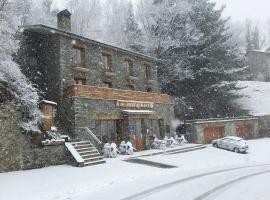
(254, 38)
(24, 94)
(200, 64)
(132, 33)
(86, 17)
(40, 12)
(116, 13)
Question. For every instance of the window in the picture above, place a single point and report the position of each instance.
(147, 71)
(130, 87)
(79, 55)
(107, 61)
(80, 80)
(107, 84)
(129, 65)
(148, 89)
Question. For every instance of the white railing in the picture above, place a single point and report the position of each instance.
(93, 137)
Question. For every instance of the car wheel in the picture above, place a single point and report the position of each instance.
(215, 145)
(236, 150)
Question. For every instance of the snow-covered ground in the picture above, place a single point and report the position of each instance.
(256, 97)
(118, 179)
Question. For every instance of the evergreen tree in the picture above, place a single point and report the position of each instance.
(132, 34)
(199, 64)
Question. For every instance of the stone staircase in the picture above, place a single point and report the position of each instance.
(85, 153)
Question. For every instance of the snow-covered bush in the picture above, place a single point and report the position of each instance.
(25, 95)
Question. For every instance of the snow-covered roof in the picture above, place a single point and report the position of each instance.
(142, 112)
(257, 97)
(43, 29)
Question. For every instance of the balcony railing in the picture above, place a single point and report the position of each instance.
(94, 92)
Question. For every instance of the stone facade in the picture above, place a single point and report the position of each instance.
(199, 130)
(19, 152)
(86, 78)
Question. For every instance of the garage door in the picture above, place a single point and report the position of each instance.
(212, 133)
(244, 131)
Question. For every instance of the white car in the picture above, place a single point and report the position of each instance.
(232, 143)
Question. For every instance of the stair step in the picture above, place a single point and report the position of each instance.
(85, 149)
(94, 162)
(93, 159)
(80, 143)
(87, 152)
(82, 146)
(90, 155)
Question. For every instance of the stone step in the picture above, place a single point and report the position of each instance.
(80, 143)
(90, 155)
(82, 146)
(86, 152)
(85, 149)
(94, 162)
(93, 159)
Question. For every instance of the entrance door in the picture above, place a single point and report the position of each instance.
(212, 133)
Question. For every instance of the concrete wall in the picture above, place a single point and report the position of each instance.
(197, 129)
(264, 126)
(17, 151)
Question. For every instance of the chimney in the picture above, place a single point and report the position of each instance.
(63, 20)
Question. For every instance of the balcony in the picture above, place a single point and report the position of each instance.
(94, 92)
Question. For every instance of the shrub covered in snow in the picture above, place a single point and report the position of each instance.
(24, 94)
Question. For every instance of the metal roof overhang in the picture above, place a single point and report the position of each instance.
(138, 112)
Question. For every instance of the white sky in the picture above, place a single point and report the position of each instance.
(239, 10)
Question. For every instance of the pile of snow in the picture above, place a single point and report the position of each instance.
(256, 97)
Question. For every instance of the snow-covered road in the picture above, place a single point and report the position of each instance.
(197, 173)
(202, 186)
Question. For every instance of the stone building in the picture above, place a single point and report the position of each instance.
(259, 65)
(111, 91)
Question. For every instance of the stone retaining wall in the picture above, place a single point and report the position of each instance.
(16, 149)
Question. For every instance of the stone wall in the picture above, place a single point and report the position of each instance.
(94, 72)
(17, 152)
(89, 111)
(39, 58)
